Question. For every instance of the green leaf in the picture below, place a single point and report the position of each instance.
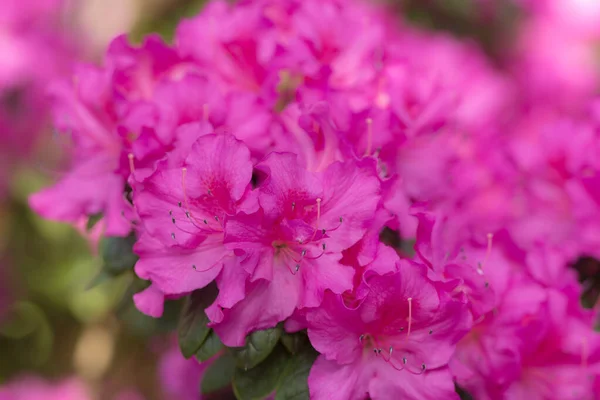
(258, 383)
(99, 279)
(258, 346)
(294, 385)
(117, 254)
(192, 330)
(21, 320)
(28, 327)
(211, 346)
(463, 394)
(92, 221)
(219, 375)
(295, 343)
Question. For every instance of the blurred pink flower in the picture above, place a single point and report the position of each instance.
(34, 388)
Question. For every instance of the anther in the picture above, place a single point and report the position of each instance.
(323, 246)
(360, 338)
(171, 213)
(173, 235)
(216, 218)
(187, 213)
(297, 267)
(423, 367)
(341, 220)
(205, 222)
(131, 164)
(303, 252)
(209, 192)
(173, 220)
(369, 136)
(194, 266)
(293, 205)
(179, 204)
(404, 360)
(430, 331)
(479, 268)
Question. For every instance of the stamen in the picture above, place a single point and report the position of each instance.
(369, 136)
(318, 211)
(409, 316)
(430, 331)
(488, 252)
(360, 338)
(297, 267)
(201, 270)
(131, 163)
(173, 235)
(183, 174)
(293, 205)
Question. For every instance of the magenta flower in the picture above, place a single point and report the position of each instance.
(536, 342)
(395, 344)
(180, 378)
(30, 36)
(183, 210)
(33, 388)
(294, 241)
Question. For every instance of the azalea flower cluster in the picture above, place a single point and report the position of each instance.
(30, 35)
(270, 146)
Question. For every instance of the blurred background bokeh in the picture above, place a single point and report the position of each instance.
(63, 317)
(62, 320)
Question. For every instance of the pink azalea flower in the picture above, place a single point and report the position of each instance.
(180, 378)
(29, 37)
(536, 342)
(436, 249)
(34, 388)
(294, 242)
(183, 210)
(395, 344)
